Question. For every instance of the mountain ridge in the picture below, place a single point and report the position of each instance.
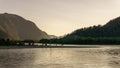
(108, 34)
(110, 29)
(16, 27)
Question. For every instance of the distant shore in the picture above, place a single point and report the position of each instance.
(34, 46)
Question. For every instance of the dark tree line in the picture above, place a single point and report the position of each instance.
(8, 42)
(83, 40)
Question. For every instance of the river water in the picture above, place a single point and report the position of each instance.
(104, 57)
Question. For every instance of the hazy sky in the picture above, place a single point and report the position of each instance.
(59, 17)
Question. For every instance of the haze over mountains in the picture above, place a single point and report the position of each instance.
(15, 27)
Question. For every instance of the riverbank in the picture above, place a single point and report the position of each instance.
(34, 46)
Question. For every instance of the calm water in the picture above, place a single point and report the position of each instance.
(105, 57)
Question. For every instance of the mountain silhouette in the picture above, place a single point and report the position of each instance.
(111, 29)
(101, 34)
(15, 27)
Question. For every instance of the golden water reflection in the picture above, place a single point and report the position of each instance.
(106, 57)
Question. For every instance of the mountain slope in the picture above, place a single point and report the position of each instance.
(17, 28)
(108, 34)
(111, 29)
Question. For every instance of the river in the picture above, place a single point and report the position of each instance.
(104, 57)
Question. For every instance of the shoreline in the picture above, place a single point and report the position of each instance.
(34, 46)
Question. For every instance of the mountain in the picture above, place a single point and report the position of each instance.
(52, 36)
(107, 34)
(15, 27)
(111, 29)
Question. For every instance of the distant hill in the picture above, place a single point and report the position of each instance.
(52, 36)
(108, 34)
(17, 28)
(111, 29)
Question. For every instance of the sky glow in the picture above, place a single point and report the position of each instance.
(59, 17)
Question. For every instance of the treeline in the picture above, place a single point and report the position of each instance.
(8, 42)
(83, 40)
(65, 40)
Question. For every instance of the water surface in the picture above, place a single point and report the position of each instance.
(105, 57)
